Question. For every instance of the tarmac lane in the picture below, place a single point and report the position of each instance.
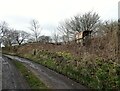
(1, 72)
(51, 78)
(11, 77)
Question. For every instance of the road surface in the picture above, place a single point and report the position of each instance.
(52, 79)
(0, 72)
(11, 77)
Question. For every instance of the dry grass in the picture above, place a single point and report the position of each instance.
(102, 47)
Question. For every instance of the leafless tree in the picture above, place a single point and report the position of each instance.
(65, 31)
(20, 36)
(110, 26)
(8, 38)
(55, 37)
(3, 27)
(11, 36)
(35, 27)
(86, 22)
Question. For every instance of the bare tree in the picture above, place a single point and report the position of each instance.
(55, 37)
(11, 36)
(20, 36)
(8, 38)
(65, 31)
(3, 27)
(85, 22)
(35, 27)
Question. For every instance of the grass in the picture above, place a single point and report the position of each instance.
(95, 74)
(31, 79)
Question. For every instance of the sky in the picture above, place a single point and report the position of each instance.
(49, 13)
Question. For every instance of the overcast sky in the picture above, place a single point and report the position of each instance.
(18, 13)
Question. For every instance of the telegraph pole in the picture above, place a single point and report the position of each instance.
(118, 35)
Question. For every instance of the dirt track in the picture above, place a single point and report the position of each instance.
(52, 79)
(11, 77)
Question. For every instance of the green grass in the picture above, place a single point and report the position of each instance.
(31, 79)
(95, 74)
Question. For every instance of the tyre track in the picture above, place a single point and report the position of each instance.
(49, 77)
(11, 77)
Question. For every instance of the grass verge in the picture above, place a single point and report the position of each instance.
(32, 80)
(96, 74)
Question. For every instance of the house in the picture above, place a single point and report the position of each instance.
(81, 37)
